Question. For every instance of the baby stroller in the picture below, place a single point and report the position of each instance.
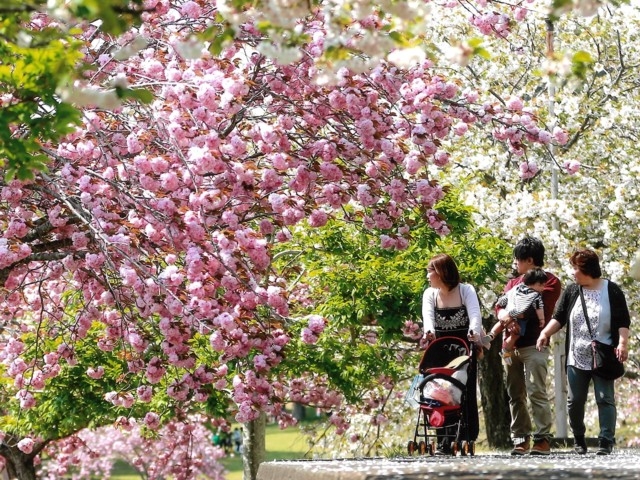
(441, 396)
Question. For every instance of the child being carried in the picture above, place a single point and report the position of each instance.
(519, 299)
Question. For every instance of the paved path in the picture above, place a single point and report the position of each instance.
(561, 465)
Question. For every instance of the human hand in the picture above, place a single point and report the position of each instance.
(512, 328)
(543, 341)
(622, 352)
(429, 336)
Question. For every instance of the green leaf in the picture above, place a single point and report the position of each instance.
(221, 40)
(481, 52)
(140, 94)
(583, 57)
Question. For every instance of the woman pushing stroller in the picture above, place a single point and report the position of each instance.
(451, 308)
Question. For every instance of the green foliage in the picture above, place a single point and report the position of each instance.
(368, 293)
(139, 94)
(478, 49)
(116, 15)
(34, 115)
(34, 62)
(221, 37)
(581, 64)
(72, 400)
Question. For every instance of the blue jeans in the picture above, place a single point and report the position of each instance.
(578, 382)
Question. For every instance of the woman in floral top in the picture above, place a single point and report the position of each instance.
(608, 316)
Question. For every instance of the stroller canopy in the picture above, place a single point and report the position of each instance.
(442, 351)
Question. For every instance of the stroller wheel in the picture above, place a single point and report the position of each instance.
(468, 448)
(464, 448)
(422, 448)
(454, 448)
(412, 446)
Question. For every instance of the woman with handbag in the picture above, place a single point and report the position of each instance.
(596, 311)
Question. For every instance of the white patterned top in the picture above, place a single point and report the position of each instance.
(597, 302)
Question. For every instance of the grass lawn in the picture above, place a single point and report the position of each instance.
(286, 444)
(123, 471)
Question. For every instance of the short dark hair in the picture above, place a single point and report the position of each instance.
(446, 268)
(530, 247)
(587, 261)
(533, 276)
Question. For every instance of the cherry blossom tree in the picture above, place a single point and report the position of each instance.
(152, 262)
(41, 62)
(143, 260)
(595, 203)
(181, 450)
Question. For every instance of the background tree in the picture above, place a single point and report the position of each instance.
(174, 445)
(594, 203)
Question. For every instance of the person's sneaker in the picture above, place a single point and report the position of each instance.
(580, 445)
(506, 357)
(522, 448)
(605, 447)
(541, 447)
(486, 341)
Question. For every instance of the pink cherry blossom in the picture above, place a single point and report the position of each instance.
(318, 218)
(95, 373)
(26, 445)
(27, 400)
(571, 166)
(152, 420)
(560, 135)
(308, 336)
(528, 170)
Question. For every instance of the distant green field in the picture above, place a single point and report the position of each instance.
(286, 444)
(123, 471)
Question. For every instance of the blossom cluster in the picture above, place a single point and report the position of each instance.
(182, 450)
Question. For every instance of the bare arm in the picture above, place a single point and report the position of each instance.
(622, 350)
(428, 314)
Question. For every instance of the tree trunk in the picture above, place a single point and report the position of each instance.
(253, 443)
(493, 393)
(19, 465)
(299, 411)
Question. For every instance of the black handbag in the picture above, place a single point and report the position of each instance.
(605, 361)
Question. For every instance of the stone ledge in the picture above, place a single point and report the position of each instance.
(621, 465)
